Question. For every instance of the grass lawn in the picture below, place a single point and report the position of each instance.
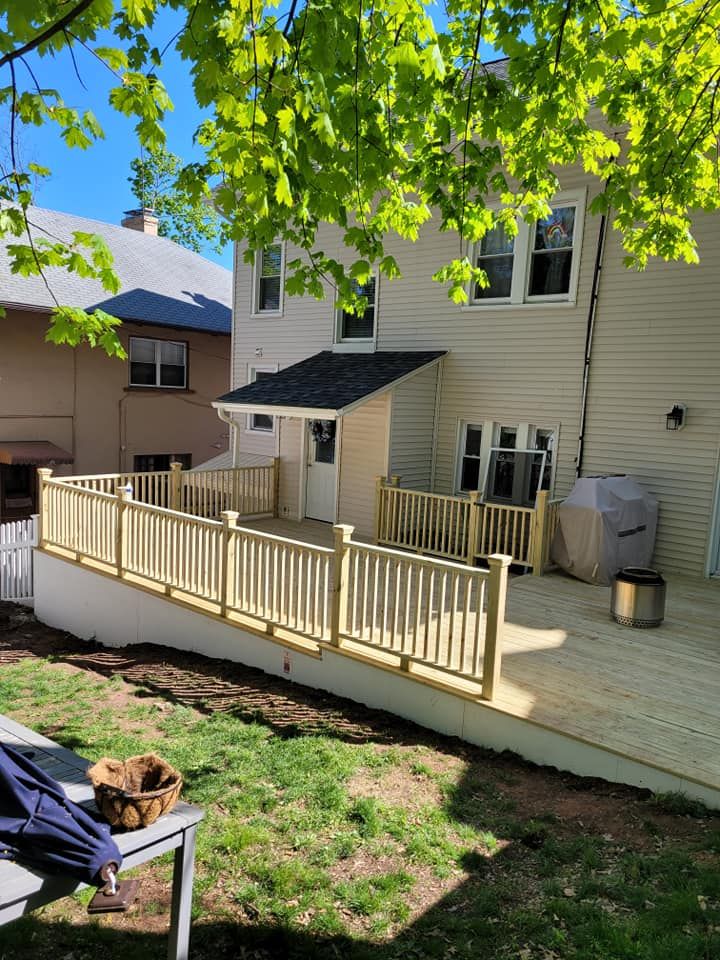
(335, 831)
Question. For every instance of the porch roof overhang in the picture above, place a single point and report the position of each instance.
(328, 385)
(35, 453)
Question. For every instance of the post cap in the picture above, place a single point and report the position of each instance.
(499, 560)
(44, 471)
(230, 515)
(344, 530)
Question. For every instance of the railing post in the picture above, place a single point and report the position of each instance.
(395, 480)
(44, 474)
(539, 525)
(341, 575)
(379, 487)
(175, 486)
(495, 623)
(472, 537)
(124, 496)
(227, 560)
(276, 486)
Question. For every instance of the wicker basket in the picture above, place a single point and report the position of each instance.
(135, 793)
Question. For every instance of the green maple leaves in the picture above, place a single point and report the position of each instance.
(368, 117)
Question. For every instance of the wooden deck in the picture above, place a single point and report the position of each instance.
(652, 696)
(648, 695)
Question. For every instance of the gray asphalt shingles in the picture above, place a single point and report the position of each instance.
(161, 282)
(331, 380)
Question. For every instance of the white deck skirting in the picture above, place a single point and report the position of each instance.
(89, 604)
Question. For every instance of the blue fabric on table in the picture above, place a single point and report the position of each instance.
(40, 827)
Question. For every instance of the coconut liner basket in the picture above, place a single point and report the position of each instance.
(134, 793)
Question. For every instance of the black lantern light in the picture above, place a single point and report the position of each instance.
(675, 420)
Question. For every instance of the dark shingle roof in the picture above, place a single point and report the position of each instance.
(161, 282)
(331, 381)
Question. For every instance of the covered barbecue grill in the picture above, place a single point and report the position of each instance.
(606, 523)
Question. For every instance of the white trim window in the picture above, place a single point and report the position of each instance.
(503, 461)
(261, 422)
(495, 254)
(354, 330)
(470, 457)
(158, 363)
(539, 265)
(268, 282)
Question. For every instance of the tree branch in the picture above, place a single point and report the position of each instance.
(54, 28)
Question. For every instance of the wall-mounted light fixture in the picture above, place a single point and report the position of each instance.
(675, 420)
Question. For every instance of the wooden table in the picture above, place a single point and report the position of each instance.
(23, 889)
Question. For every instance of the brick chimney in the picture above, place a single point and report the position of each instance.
(143, 220)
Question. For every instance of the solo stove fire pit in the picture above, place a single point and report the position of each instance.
(638, 597)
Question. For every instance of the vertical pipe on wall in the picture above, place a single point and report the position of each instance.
(590, 330)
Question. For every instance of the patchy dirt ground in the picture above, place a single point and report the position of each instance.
(538, 812)
(219, 685)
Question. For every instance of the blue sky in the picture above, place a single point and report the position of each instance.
(93, 183)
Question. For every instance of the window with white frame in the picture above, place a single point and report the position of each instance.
(158, 363)
(544, 439)
(496, 256)
(540, 264)
(359, 327)
(470, 451)
(262, 422)
(268, 279)
(508, 463)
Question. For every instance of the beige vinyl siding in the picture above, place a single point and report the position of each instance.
(363, 457)
(657, 342)
(291, 450)
(412, 422)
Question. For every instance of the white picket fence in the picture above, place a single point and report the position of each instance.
(17, 539)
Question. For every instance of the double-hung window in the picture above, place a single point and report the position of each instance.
(471, 445)
(261, 422)
(540, 264)
(551, 256)
(158, 363)
(359, 328)
(496, 256)
(268, 279)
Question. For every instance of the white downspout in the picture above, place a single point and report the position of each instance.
(228, 418)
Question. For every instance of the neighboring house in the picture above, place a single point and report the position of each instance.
(425, 389)
(80, 411)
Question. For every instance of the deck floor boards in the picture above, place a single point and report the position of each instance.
(649, 695)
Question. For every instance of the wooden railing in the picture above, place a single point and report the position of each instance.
(284, 583)
(425, 522)
(250, 491)
(465, 529)
(442, 615)
(425, 612)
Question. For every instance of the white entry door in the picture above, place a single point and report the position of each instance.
(321, 471)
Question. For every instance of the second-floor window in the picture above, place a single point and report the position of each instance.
(539, 264)
(268, 279)
(354, 327)
(158, 363)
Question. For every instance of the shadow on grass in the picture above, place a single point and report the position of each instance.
(222, 686)
(498, 907)
(464, 923)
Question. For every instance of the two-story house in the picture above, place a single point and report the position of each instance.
(567, 354)
(79, 410)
